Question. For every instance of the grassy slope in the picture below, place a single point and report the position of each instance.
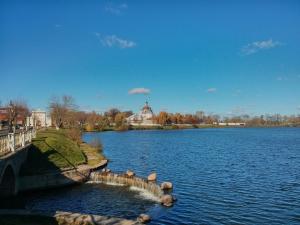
(93, 154)
(52, 151)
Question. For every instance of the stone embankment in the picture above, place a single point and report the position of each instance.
(74, 175)
(68, 218)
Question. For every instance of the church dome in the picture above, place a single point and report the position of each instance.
(147, 108)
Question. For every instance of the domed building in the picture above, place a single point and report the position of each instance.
(143, 118)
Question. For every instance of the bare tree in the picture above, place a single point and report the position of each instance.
(111, 114)
(61, 110)
(17, 110)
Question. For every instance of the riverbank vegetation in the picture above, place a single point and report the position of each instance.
(57, 150)
(65, 114)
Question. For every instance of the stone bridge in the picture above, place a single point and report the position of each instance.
(13, 153)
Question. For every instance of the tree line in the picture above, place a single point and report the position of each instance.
(66, 114)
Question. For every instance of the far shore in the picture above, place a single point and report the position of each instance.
(180, 126)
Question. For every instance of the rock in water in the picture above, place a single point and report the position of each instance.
(144, 218)
(130, 173)
(105, 170)
(166, 200)
(152, 177)
(166, 185)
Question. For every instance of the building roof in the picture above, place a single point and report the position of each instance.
(147, 108)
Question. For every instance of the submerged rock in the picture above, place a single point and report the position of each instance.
(167, 200)
(130, 173)
(144, 218)
(166, 185)
(152, 177)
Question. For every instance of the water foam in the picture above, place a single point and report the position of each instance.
(145, 194)
(107, 183)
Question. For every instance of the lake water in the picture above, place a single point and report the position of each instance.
(220, 176)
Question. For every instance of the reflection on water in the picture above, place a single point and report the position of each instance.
(228, 176)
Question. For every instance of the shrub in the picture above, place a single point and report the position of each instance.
(75, 135)
(174, 126)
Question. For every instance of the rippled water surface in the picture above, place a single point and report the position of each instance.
(221, 176)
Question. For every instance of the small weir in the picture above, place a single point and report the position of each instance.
(133, 181)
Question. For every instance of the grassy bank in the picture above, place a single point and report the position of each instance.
(54, 150)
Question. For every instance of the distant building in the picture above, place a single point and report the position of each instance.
(39, 118)
(143, 118)
(229, 124)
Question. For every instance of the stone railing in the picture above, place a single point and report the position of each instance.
(12, 142)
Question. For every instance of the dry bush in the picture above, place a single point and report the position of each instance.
(75, 135)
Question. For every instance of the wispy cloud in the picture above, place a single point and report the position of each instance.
(211, 90)
(257, 46)
(136, 91)
(115, 41)
(57, 25)
(298, 107)
(281, 78)
(115, 9)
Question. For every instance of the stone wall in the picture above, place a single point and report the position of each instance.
(58, 179)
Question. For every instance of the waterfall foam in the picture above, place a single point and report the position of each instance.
(107, 183)
(147, 189)
(145, 194)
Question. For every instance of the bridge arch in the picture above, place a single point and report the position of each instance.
(8, 183)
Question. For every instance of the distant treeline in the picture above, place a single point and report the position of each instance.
(65, 114)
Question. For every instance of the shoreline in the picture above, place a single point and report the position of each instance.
(61, 218)
(188, 127)
(50, 180)
(53, 179)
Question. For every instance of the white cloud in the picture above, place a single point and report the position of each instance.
(211, 90)
(135, 91)
(259, 45)
(115, 9)
(115, 41)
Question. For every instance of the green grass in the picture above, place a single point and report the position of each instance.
(52, 150)
(93, 154)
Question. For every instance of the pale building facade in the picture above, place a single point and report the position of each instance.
(229, 124)
(39, 118)
(143, 118)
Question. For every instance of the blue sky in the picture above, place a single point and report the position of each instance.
(227, 58)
